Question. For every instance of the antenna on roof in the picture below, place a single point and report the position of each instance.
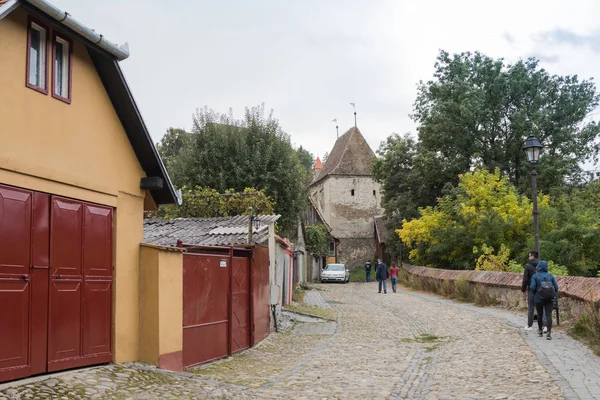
(337, 130)
(354, 106)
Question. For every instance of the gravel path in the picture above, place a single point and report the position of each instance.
(403, 345)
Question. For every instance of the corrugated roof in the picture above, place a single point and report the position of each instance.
(220, 231)
(351, 155)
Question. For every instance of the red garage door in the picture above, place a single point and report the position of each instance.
(55, 283)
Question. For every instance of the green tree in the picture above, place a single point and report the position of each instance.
(483, 219)
(478, 111)
(170, 147)
(317, 239)
(227, 153)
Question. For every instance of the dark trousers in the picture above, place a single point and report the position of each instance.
(531, 309)
(384, 283)
(368, 273)
(544, 312)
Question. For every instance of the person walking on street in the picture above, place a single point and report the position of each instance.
(530, 270)
(381, 273)
(368, 271)
(394, 277)
(545, 288)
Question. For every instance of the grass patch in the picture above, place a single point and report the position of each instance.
(423, 338)
(587, 328)
(313, 310)
(359, 275)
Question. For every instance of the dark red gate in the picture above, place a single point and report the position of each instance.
(261, 293)
(63, 322)
(79, 331)
(205, 307)
(225, 295)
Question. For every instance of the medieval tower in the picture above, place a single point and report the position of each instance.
(344, 197)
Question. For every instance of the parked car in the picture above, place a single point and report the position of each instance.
(335, 273)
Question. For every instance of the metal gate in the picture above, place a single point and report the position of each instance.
(225, 301)
(55, 283)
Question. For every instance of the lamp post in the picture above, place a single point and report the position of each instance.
(533, 149)
(399, 219)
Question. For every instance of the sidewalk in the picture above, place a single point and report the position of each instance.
(573, 366)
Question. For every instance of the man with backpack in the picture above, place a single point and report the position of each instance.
(530, 270)
(544, 288)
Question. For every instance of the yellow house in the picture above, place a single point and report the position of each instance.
(77, 171)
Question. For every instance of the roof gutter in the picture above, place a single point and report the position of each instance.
(6, 7)
(119, 52)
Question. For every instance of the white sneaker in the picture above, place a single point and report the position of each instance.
(545, 329)
(528, 328)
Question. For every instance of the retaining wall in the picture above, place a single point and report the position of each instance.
(574, 291)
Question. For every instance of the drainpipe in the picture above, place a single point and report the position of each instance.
(119, 52)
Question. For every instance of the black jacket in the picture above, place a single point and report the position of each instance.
(368, 267)
(530, 270)
(381, 272)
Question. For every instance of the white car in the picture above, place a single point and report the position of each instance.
(335, 273)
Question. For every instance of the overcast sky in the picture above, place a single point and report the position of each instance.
(308, 59)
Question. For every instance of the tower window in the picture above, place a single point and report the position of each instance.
(352, 192)
(374, 193)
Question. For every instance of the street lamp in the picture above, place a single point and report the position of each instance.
(533, 149)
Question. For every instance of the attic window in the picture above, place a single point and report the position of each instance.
(352, 192)
(37, 53)
(61, 78)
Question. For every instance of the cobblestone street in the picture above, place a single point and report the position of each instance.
(403, 345)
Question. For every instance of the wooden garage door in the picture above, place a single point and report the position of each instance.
(80, 315)
(53, 317)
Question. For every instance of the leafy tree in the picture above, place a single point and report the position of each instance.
(478, 111)
(206, 202)
(317, 239)
(170, 147)
(306, 158)
(227, 153)
(483, 214)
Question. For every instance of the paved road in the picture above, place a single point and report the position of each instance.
(404, 345)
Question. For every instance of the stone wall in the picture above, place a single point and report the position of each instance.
(575, 292)
(354, 252)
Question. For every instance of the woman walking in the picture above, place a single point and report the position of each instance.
(544, 288)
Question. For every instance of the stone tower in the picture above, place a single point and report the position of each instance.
(344, 196)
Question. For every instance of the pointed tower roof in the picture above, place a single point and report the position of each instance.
(318, 164)
(351, 155)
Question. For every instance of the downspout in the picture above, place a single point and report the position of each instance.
(119, 52)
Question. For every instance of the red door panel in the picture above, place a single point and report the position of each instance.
(240, 292)
(40, 266)
(97, 265)
(97, 318)
(64, 329)
(65, 323)
(80, 326)
(15, 288)
(97, 242)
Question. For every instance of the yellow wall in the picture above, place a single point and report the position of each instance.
(78, 150)
(161, 303)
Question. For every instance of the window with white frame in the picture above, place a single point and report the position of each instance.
(62, 68)
(37, 57)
